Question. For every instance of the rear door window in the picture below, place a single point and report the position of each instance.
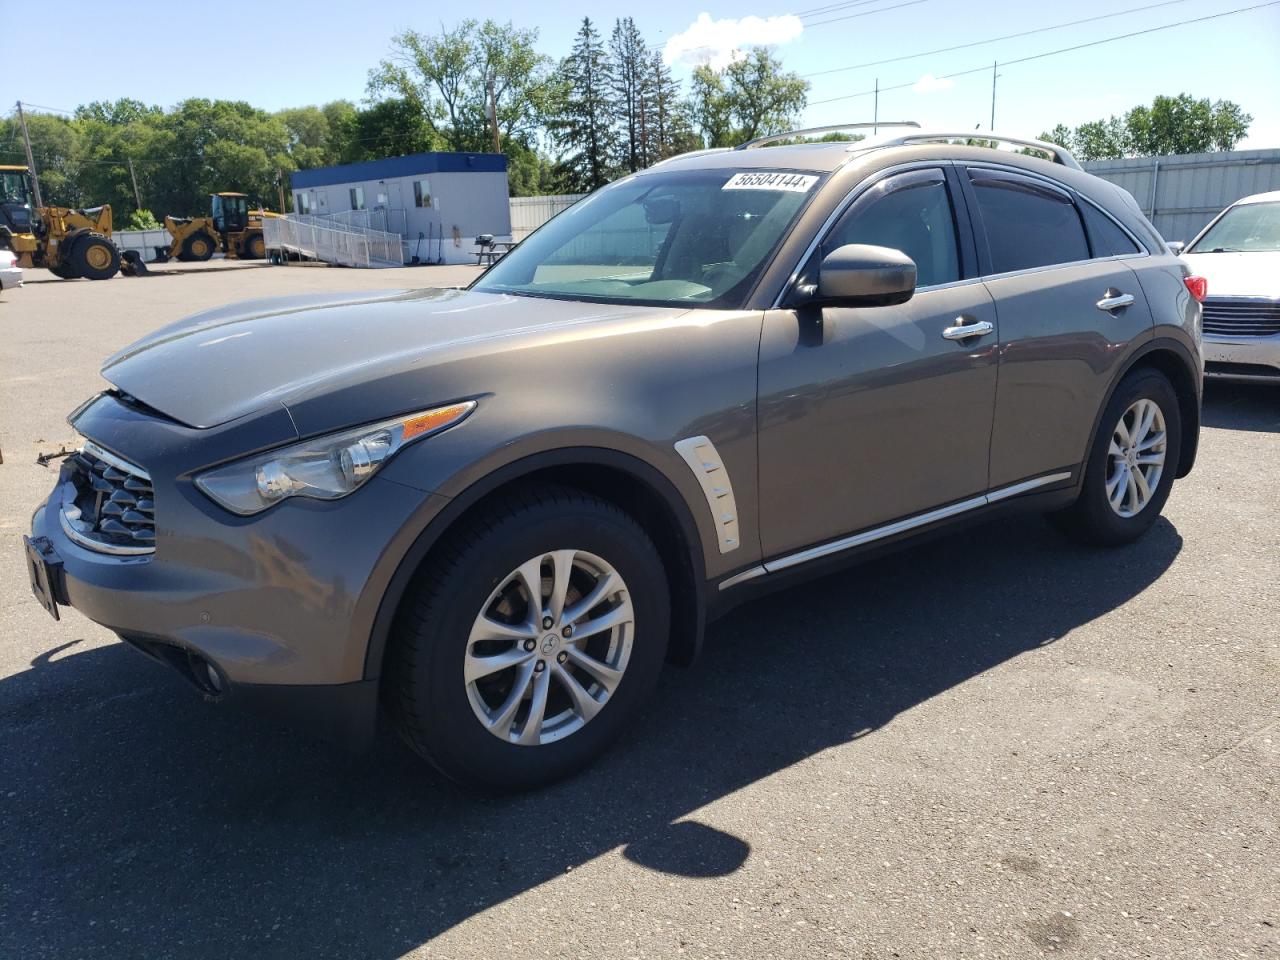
(1028, 223)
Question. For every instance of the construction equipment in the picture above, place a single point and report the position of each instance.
(69, 243)
(233, 228)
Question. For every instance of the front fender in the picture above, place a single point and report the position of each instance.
(438, 513)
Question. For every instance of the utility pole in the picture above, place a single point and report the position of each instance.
(993, 96)
(875, 113)
(137, 197)
(31, 163)
(493, 118)
(280, 187)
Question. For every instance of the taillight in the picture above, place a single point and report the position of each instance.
(1198, 287)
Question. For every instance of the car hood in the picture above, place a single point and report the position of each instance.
(1238, 274)
(218, 366)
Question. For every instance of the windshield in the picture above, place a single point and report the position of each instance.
(1247, 228)
(13, 187)
(692, 237)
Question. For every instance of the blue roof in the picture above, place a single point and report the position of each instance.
(412, 165)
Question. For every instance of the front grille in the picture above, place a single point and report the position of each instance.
(1242, 318)
(114, 505)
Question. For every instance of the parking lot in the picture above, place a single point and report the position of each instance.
(996, 744)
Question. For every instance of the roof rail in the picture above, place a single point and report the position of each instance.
(1059, 154)
(813, 131)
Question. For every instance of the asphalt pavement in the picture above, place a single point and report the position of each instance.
(996, 744)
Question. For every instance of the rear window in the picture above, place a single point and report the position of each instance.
(1028, 224)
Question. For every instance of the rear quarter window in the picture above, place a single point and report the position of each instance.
(1107, 237)
(1028, 224)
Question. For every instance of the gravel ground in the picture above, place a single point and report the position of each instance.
(1077, 758)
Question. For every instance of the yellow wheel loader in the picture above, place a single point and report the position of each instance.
(69, 243)
(233, 228)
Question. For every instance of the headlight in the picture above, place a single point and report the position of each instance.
(323, 468)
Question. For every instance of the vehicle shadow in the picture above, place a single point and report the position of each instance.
(140, 822)
(1241, 406)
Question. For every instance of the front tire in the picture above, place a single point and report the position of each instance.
(501, 690)
(1131, 468)
(95, 257)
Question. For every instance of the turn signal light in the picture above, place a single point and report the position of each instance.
(1198, 287)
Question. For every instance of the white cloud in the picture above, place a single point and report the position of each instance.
(931, 84)
(720, 42)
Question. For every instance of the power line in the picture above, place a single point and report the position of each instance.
(979, 43)
(41, 106)
(1054, 53)
(865, 13)
(832, 7)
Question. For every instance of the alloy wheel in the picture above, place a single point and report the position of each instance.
(549, 647)
(1136, 457)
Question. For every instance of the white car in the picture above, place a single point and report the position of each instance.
(1239, 254)
(10, 272)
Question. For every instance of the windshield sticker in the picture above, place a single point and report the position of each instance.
(792, 182)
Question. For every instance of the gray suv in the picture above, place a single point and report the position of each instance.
(496, 512)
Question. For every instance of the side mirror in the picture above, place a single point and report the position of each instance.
(861, 275)
(1176, 247)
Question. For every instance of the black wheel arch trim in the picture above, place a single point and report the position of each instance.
(1190, 431)
(686, 636)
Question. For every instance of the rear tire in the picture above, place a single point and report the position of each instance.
(197, 248)
(1131, 468)
(64, 271)
(469, 606)
(95, 257)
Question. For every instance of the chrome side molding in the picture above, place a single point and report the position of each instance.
(892, 529)
(705, 462)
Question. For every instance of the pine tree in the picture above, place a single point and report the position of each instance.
(664, 94)
(631, 66)
(582, 121)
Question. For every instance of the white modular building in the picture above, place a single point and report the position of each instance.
(438, 202)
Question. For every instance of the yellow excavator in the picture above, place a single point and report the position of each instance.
(69, 243)
(233, 228)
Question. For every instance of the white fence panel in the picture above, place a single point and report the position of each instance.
(144, 242)
(529, 213)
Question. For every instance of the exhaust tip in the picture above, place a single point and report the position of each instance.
(206, 676)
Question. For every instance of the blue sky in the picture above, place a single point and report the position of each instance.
(322, 50)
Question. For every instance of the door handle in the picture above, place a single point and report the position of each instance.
(963, 331)
(1113, 300)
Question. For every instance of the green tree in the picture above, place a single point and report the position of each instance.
(452, 76)
(142, 220)
(709, 108)
(317, 136)
(1061, 135)
(393, 127)
(1171, 125)
(762, 98)
(752, 97)
(1183, 124)
(580, 121)
(629, 92)
(670, 133)
(1102, 139)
